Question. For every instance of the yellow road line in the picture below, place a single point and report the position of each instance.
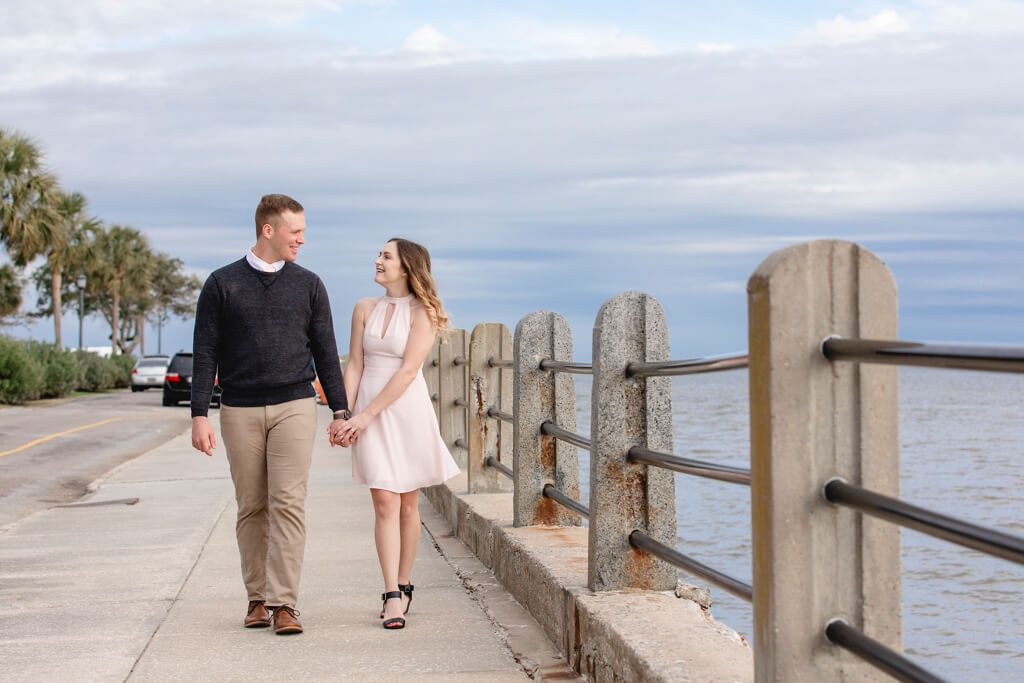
(40, 440)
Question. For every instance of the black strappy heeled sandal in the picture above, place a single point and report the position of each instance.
(394, 623)
(406, 589)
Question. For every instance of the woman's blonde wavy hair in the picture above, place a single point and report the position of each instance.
(415, 259)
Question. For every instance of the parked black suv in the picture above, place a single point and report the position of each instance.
(178, 382)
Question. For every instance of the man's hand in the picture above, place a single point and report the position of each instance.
(334, 431)
(349, 430)
(203, 438)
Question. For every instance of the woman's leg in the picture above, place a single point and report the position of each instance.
(410, 525)
(387, 536)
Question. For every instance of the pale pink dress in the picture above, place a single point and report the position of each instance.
(401, 449)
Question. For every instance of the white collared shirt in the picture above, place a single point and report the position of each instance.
(259, 264)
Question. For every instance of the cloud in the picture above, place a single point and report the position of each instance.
(987, 17)
(426, 39)
(799, 132)
(841, 31)
(101, 24)
(579, 40)
(923, 18)
(715, 48)
(510, 38)
(585, 149)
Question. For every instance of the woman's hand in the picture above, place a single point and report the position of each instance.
(336, 431)
(349, 430)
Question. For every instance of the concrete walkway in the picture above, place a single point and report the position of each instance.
(152, 591)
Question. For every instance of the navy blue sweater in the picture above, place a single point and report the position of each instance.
(260, 334)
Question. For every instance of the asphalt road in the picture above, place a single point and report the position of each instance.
(50, 451)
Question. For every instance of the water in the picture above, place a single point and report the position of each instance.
(962, 453)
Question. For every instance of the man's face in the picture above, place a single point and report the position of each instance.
(289, 235)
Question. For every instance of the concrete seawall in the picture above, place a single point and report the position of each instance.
(625, 635)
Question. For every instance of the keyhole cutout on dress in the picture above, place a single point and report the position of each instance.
(388, 315)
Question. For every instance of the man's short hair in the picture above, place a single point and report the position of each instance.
(271, 207)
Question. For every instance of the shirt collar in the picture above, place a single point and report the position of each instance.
(259, 264)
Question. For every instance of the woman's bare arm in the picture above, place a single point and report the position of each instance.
(354, 366)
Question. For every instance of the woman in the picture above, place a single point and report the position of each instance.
(396, 445)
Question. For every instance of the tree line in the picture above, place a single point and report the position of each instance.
(110, 268)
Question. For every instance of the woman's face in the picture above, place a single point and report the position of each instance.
(389, 267)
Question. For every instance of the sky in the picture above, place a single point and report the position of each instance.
(550, 155)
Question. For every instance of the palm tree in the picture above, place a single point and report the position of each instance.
(79, 257)
(19, 160)
(10, 291)
(72, 238)
(173, 291)
(29, 223)
(123, 270)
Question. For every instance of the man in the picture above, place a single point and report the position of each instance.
(261, 323)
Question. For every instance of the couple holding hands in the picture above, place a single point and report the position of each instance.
(262, 323)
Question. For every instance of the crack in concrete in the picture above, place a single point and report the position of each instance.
(560, 670)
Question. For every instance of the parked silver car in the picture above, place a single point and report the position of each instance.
(149, 371)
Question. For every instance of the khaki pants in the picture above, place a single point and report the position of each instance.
(269, 450)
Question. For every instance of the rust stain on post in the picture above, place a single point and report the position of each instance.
(547, 512)
(548, 456)
(478, 394)
(640, 568)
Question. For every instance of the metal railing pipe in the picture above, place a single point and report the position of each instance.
(554, 494)
(564, 366)
(460, 360)
(692, 366)
(551, 429)
(876, 654)
(500, 415)
(460, 403)
(697, 468)
(639, 539)
(491, 461)
(459, 443)
(499, 363)
(982, 539)
(925, 354)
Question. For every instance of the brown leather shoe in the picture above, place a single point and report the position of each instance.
(286, 620)
(258, 615)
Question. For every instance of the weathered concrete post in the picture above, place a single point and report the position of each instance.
(490, 387)
(452, 393)
(627, 412)
(538, 396)
(811, 420)
(448, 384)
(432, 374)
